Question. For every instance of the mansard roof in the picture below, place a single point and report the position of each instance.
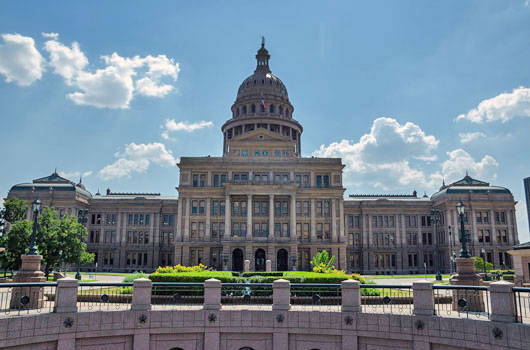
(53, 182)
(469, 185)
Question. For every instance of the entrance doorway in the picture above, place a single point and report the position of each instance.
(282, 260)
(237, 260)
(259, 261)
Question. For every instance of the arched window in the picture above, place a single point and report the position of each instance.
(262, 81)
(262, 108)
(244, 109)
(280, 110)
(253, 108)
(237, 112)
(287, 112)
(271, 109)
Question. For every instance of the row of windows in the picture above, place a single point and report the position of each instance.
(484, 236)
(272, 108)
(321, 181)
(261, 153)
(136, 259)
(133, 219)
(136, 237)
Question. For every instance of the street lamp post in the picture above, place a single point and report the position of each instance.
(82, 218)
(435, 218)
(35, 206)
(464, 250)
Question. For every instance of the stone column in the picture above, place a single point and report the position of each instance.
(141, 300)
(212, 294)
(271, 215)
(351, 296)
(342, 230)
(66, 295)
(292, 220)
(466, 276)
(313, 219)
(228, 217)
(281, 295)
(268, 265)
(334, 233)
(246, 265)
(208, 225)
(474, 234)
(423, 298)
(502, 302)
(178, 232)
(186, 237)
(249, 217)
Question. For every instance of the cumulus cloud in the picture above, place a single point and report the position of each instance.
(20, 61)
(460, 161)
(171, 126)
(111, 85)
(66, 61)
(74, 175)
(503, 107)
(470, 136)
(382, 158)
(137, 158)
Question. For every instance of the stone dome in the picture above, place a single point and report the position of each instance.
(262, 93)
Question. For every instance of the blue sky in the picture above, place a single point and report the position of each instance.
(407, 92)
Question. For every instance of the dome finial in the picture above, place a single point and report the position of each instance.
(263, 57)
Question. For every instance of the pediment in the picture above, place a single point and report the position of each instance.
(260, 135)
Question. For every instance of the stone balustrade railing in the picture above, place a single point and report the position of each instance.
(502, 306)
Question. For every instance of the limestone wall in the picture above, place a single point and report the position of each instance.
(258, 330)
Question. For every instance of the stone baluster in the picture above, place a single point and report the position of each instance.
(66, 295)
(351, 296)
(212, 294)
(141, 300)
(423, 298)
(502, 302)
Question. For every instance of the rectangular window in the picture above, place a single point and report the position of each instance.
(264, 208)
(299, 180)
(215, 208)
(285, 230)
(223, 179)
(136, 219)
(285, 208)
(277, 229)
(326, 181)
(202, 208)
(326, 208)
(277, 208)
(350, 221)
(195, 180)
(306, 208)
(147, 219)
(216, 180)
(194, 207)
(141, 219)
(306, 233)
(298, 208)
(319, 231)
(165, 221)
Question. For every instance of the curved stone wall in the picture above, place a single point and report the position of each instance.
(257, 330)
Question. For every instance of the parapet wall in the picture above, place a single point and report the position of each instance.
(258, 330)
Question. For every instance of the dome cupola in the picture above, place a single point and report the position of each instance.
(262, 102)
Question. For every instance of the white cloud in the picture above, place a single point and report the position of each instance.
(137, 158)
(171, 126)
(470, 136)
(503, 107)
(460, 161)
(67, 62)
(75, 175)
(107, 88)
(382, 158)
(20, 62)
(53, 36)
(148, 87)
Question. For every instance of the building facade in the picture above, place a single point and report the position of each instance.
(261, 200)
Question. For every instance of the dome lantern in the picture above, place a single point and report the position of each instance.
(262, 58)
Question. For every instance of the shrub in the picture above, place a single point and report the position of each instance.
(508, 277)
(181, 268)
(223, 276)
(479, 264)
(322, 263)
(134, 276)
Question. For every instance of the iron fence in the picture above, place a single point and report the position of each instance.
(462, 301)
(25, 298)
(316, 297)
(387, 299)
(522, 304)
(255, 296)
(94, 296)
(166, 295)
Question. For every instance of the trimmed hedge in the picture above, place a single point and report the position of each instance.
(223, 276)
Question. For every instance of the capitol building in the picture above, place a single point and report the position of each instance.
(261, 200)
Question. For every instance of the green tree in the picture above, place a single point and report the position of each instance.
(54, 235)
(479, 265)
(60, 235)
(15, 209)
(15, 241)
